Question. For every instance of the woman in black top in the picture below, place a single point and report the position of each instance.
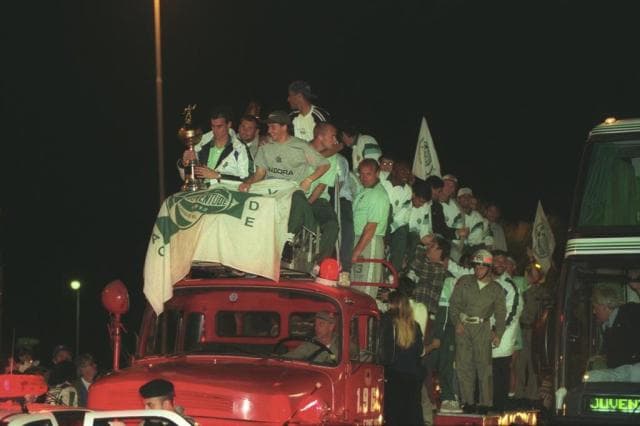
(403, 376)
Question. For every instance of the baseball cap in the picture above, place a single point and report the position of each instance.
(61, 348)
(326, 316)
(302, 87)
(465, 191)
(450, 177)
(279, 117)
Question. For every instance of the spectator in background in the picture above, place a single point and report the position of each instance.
(493, 215)
(61, 353)
(479, 232)
(305, 115)
(346, 181)
(87, 372)
(399, 193)
(386, 166)
(362, 146)
(25, 360)
(452, 213)
(403, 340)
(61, 390)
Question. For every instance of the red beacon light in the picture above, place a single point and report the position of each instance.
(115, 298)
(329, 272)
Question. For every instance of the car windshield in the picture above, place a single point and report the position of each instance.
(255, 322)
(591, 285)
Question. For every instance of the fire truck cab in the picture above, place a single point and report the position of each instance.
(223, 342)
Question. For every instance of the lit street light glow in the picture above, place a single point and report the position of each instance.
(75, 285)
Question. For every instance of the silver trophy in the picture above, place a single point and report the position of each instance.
(190, 136)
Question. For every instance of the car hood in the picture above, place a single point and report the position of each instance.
(265, 390)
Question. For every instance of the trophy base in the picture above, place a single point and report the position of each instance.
(191, 186)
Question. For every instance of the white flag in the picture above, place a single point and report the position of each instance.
(245, 231)
(425, 161)
(543, 240)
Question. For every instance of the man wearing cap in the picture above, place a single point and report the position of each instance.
(158, 394)
(305, 116)
(220, 154)
(289, 158)
(324, 338)
(362, 146)
(479, 232)
(474, 300)
(61, 353)
(452, 214)
(370, 218)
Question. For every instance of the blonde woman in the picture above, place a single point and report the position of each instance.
(403, 374)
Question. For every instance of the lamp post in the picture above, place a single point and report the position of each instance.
(157, 33)
(75, 286)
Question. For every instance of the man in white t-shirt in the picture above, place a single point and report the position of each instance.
(304, 115)
(362, 146)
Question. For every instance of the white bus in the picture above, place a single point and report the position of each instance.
(603, 250)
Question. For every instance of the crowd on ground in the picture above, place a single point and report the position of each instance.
(68, 379)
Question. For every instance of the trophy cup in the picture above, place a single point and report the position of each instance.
(190, 136)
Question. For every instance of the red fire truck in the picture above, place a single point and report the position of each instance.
(224, 335)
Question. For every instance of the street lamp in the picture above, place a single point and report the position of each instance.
(157, 26)
(75, 286)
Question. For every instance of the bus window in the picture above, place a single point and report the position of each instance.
(611, 195)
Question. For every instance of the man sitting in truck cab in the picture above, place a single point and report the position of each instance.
(325, 336)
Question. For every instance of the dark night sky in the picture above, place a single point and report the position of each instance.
(510, 92)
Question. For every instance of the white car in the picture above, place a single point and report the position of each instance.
(67, 416)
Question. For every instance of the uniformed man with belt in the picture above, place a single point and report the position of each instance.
(474, 300)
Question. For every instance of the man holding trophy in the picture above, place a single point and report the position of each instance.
(219, 155)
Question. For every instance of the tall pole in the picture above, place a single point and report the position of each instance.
(159, 109)
(75, 286)
(77, 323)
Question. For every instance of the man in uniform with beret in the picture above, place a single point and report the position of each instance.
(158, 394)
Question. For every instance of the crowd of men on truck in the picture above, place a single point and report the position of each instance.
(434, 232)
(476, 307)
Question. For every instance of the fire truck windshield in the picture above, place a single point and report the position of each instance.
(254, 322)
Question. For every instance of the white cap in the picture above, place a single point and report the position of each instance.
(450, 177)
(464, 191)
